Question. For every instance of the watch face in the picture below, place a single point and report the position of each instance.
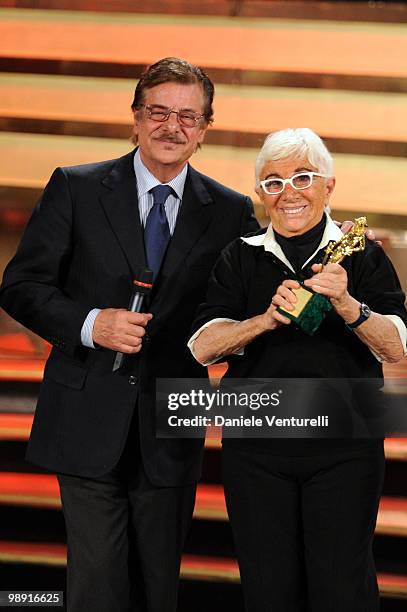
(365, 310)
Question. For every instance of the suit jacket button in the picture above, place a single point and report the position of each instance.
(132, 380)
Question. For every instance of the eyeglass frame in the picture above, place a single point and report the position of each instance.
(290, 182)
(148, 107)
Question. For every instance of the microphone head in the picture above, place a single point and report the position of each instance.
(143, 280)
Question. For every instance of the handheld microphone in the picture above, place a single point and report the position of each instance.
(143, 284)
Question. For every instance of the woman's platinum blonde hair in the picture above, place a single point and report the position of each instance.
(298, 142)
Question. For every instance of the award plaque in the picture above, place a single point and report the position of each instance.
(311, 307)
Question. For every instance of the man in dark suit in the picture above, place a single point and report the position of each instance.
(127, 496)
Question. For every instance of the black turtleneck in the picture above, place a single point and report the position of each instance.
(298, 249)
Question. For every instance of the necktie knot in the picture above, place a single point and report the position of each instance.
(161, 193)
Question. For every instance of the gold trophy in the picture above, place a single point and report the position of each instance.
(311, 308)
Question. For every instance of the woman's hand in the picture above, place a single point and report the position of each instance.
(227, 337)
(331, 281)
(377, 332)
(285, 298)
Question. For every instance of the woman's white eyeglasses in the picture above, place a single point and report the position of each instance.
(302, 180)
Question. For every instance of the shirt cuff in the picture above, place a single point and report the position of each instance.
(200, 330)
(401, 328)
(87, 328)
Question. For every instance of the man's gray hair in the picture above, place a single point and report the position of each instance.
(298, 142)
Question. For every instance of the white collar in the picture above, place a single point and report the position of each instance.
(268, 241)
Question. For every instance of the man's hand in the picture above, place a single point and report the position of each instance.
(347, 225)
(120, 330)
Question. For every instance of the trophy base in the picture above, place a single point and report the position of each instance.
(310, 310)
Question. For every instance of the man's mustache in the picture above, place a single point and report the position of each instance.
(170, 138)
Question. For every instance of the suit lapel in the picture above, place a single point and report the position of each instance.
(120, 205)
(194, 216)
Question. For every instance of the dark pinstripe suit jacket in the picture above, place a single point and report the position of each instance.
(79, 251)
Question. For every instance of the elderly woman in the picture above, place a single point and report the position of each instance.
(303, 511)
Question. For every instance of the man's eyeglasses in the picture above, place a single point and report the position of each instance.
(162, 113)
(302, 180)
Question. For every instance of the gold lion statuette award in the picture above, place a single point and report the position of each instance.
(311, 308)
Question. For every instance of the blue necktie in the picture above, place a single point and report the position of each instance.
(157, 231)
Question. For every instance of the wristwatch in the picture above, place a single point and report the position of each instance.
(365, 313)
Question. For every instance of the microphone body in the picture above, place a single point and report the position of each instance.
(143, 284)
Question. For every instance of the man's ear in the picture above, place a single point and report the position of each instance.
(202, 131)
(136, 120)
(134, 130)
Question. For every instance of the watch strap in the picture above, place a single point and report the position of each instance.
(363, 316)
